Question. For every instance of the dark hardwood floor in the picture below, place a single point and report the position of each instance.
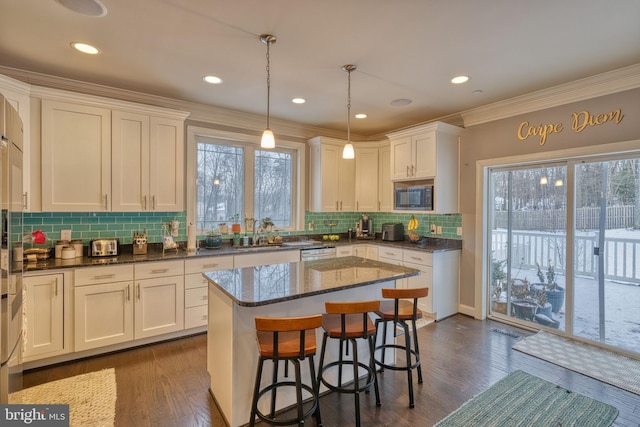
(167, 384)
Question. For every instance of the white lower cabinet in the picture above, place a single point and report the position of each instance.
(44, 310)
(439, 273)
(366, 251)
(112, 308)
(159, 298)
(103, 306)
(342, 251)
(196, 290)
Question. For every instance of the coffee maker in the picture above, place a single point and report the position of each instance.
(364, 228)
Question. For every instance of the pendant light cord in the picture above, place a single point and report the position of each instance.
(268, 82)
(349, 108)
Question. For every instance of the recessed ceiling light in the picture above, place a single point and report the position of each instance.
(85, 48)
(212, 79)
(298, 100)
(460, 79)
(361, 116)
(93, 8)
(401, 102)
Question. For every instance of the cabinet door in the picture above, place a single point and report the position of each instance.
(76, 157)
(159, 307)
(330, 185)
(342, 251)
(385, 185)
(402, 158)
(421, 281)
(130, 149)
(366, 173)
(166, 165)
(347, 184)
(44, 310)
(103, 315)
(425, 149)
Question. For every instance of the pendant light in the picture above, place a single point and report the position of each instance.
(347, 152)
(268, 140)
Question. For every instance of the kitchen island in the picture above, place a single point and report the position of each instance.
(237, 296)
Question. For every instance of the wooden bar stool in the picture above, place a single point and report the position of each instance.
(399, 311)
(289, 339)
(348, 322)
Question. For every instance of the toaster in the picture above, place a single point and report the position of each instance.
(104, 247)
(393, 231)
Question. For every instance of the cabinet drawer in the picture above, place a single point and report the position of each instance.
(149, 270)
(196, 297)
(344, 251)
(416, 257)
(195, 316)
(204, 264)
(195, 280)
(389, 253)
(98, 275)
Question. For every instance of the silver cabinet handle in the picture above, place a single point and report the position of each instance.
(128, 292)
(210, 265)
(104, 276)
(153, 202)
(55, 292)
(25, 196)
(340, 204)
(138, 291)
(144, 206)
(106, 202)
(408, 169)
(159, 271)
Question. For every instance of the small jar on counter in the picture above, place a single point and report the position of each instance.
(77, 245)
(68, 252)
(59, 245)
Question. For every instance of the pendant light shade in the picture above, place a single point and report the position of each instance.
(268, 140)
(347, 152)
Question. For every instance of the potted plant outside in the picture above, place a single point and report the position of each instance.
(553, 291)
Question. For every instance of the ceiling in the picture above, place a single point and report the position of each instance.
(403, 49)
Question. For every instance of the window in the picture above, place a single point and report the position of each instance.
(236, 177)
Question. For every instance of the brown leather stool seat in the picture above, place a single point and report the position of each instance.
(290, 339)
(347, 322)
(399, 311)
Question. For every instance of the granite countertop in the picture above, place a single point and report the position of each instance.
(155, 252)
(269, 284)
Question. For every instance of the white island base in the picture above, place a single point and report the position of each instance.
(232, 352)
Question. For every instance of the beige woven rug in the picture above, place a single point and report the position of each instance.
(592, 361)
(91, 397)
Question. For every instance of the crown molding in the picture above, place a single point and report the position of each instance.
(200, 113)
(620, 80)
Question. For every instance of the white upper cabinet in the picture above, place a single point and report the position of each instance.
(385, 185)
(429, 153)
(148, 163)
(331, 178)
(76, 157)
(366, 179)
(416, 153)
(105, 155)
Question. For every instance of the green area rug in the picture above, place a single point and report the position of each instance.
(521, 399)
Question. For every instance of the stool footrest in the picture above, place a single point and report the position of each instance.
(398, 367)
(287, 421)
(342, 388)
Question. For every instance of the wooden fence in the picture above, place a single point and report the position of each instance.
(556, 219)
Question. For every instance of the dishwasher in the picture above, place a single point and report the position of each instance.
(317, 253)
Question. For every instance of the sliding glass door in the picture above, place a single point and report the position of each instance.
(564, 245)
(606, 272)
(528, 244)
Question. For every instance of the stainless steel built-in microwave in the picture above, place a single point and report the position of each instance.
(416, 197)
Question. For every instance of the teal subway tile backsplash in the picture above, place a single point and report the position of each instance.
(95, 225)
(90, 225)
(345, 220)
